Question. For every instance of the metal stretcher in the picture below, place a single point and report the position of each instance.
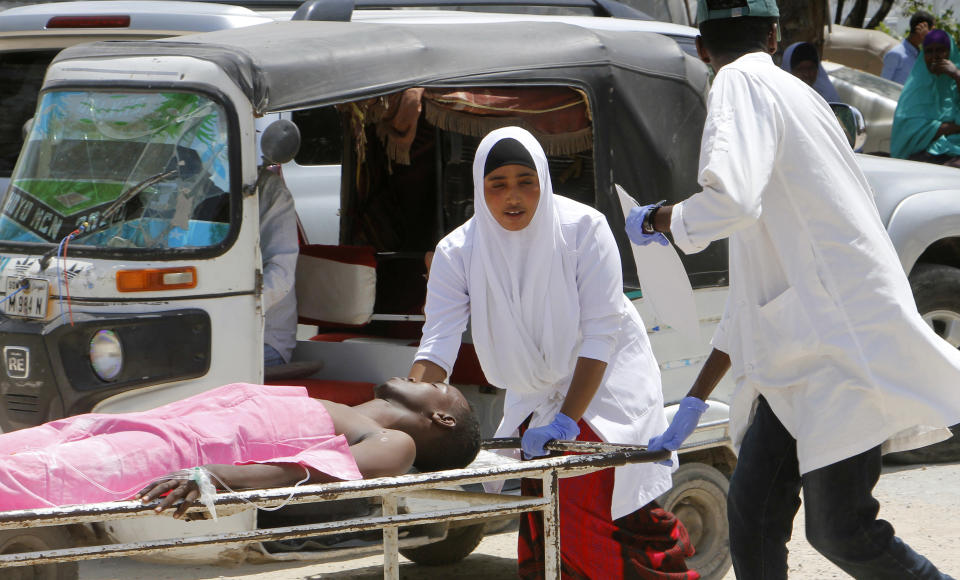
(588, 457)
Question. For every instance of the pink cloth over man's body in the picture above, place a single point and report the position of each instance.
(100, 457)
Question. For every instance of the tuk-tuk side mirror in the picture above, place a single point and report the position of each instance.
(853, 124)
(280, 142)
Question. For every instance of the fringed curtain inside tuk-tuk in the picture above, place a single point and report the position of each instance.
(412, 153)
(558, 116)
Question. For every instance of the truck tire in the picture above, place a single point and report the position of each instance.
(36, 539)
(936, 289)
(455, 547)
(699, 499)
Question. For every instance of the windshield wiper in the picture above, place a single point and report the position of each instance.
(134, 191)
(118, 203)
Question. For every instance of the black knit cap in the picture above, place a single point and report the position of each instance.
(507, 151)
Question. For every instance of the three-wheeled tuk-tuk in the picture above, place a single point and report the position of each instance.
(129, 256)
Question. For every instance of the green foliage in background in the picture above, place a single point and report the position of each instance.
(882, 27)
(946, 20)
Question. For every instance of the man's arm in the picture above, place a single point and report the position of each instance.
(180, 485)
(380, 454)
(661, 219)
(694, 405)
(891, 60)
(713, 369)
(744, 125)
(384, 453)
(279, 246)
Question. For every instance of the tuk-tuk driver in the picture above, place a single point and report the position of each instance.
(279, 248)
(833, 364)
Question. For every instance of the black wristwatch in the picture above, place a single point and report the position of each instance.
(647, 225)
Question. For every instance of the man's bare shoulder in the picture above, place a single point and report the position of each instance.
(384, 453)
(378, 451)
(349, 422)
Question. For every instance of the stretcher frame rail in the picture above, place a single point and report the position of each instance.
(588, 457)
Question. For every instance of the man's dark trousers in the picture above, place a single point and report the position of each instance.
(841, 512)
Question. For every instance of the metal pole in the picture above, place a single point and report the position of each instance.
(391, 540)
(551, 526)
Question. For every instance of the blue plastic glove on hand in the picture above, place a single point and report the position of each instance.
(634, 227)
(683, 424)
(562, 428)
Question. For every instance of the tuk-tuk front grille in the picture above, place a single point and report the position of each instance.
(23, 403)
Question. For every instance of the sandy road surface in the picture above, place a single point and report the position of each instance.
(922, 502)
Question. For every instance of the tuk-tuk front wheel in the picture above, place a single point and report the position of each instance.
(699, 500)
(34, 540)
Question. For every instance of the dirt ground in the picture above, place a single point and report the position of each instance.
(921, 501)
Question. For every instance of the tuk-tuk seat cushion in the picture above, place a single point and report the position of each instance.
(336, 285)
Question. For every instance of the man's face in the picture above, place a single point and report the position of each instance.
(806, 70)
(921, 30)
(934, 53)
(421, 397)
(512, 193)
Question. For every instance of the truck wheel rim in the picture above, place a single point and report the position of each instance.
(946, 324)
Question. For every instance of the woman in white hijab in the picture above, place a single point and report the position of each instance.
(539, 278)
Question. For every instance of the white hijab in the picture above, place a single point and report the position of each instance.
(524, 302)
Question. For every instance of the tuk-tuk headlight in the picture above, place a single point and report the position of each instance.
(106, 354)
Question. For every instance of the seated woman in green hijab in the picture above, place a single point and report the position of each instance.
(926, 125)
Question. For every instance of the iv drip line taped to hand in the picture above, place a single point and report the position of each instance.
(208, 491)
(203, 478)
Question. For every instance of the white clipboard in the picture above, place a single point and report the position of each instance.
(664, 281)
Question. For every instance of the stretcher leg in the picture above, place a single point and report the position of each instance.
(551, 526)
(391, 541)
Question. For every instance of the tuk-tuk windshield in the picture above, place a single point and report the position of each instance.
(140, 170)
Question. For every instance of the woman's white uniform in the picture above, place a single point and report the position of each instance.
(820, 319)
(537, 299)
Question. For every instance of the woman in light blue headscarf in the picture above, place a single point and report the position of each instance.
(802, 61)
(926, 125)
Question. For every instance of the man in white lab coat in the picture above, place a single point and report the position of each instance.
(832, 362)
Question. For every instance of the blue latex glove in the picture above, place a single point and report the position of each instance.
(562, 428)
(683, 424)
(634, 227)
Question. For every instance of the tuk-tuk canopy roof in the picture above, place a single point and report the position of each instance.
(647, 97)
(291, 65)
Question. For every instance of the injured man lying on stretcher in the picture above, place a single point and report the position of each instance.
(246, 436)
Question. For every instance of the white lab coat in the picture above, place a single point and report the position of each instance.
(279, 248)
(628, 407)
(820, 318)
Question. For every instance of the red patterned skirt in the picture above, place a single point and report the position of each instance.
(649, 543)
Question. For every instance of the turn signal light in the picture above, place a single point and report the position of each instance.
(106, 21)
(156, 279)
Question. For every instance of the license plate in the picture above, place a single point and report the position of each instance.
(31, 302)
